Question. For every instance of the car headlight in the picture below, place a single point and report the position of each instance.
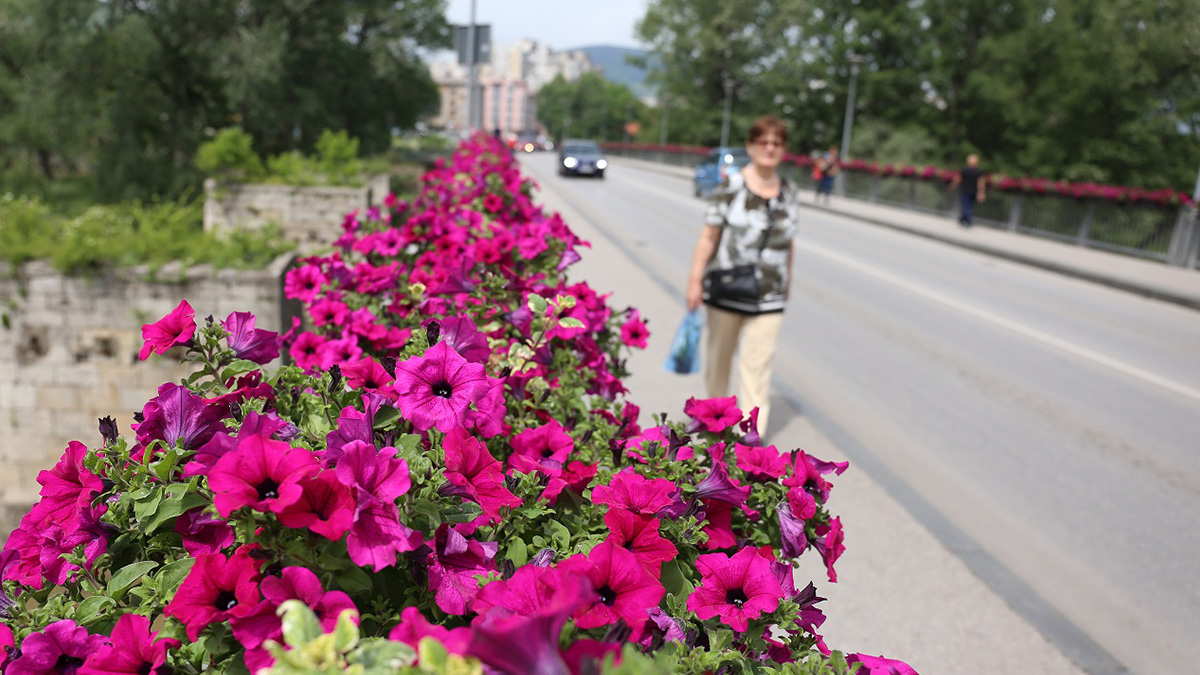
(529, 147)
(600, 164)
(570, 162)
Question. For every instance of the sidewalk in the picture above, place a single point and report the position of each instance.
(1144, 277)
(901, 593)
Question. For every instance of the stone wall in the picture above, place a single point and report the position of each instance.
(68, 355)
(304, 213)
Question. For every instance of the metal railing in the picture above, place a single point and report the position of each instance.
(1168, 234)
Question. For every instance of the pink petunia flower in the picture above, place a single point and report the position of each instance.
(61, 647)
(544, 448)
(527, 642)
(376, 479)
(176, 328)
(877, 665)
(264, 623)
(326, 506)
(633, 331)
(737, 589)
(306, 351)
(478, 475)
(133, 649)
(329, 312)
(250, 343)
(67, 488)
(460, 333)
(413, 626)
(830, 545)
(216, 589)
(761, 464)
(304, 283)
(262, 474)
(624, 588)
(713, 414)
(631, 491)
(718, 525)
(366, 373)
(639, 535)
(435, 390)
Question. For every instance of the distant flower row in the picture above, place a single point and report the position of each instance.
(1037, 186)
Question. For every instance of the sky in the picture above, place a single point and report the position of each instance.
(559, 24)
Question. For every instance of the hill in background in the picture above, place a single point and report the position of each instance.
(617, 69)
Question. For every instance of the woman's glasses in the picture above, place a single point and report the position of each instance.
(767, 143)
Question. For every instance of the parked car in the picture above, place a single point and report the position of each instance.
(578, 157)
(717, 164)
(528, 143)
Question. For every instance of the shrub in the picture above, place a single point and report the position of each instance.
(230, 156)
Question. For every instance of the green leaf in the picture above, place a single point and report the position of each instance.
(388, 416)
(145, 507)
(92, 607)
(537, 305)
(720, 639)
(127, 576)
(300, 625)
(173, 508)
(463, 513)
(345, 633)
(432, 512)
(571, 322)
(238, 367)
(559, 535)
(170, 576)
(355, 580)
(674, 581)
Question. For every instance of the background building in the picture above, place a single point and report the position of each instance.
(506, 86)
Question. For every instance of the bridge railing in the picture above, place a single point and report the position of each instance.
(1165, 232)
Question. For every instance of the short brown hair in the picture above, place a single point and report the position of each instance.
(764, 125)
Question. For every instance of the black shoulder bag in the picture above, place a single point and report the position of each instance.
(737, 285)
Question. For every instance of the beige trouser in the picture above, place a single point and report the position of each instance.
(754, 338)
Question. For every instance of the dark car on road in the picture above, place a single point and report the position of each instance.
(718, 164)
(579, 157)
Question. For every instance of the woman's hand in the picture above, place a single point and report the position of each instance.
(694, 295)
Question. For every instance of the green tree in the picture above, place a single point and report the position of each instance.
(591, 107)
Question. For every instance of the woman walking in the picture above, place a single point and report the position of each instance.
(741, 270)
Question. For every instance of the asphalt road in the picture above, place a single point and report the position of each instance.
(1051, 421)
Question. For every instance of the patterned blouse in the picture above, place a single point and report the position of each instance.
(744, 219)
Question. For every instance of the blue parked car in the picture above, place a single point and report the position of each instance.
(717, 164)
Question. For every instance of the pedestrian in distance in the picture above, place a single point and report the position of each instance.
(972, 188)
(748, 230)
(829, 166)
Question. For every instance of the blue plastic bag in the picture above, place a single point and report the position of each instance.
(684, 357)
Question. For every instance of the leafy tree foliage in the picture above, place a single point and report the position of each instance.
(126, 90)
(590, 107)
(1101, 90)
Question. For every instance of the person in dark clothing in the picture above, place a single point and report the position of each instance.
(972, 188)
(827, 167)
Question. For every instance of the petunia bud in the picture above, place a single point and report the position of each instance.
(108, 429)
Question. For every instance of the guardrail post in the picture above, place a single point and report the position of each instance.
(1185, 239)
(912, 192)
(1086, 227)
(1014, 213)
(874, 194)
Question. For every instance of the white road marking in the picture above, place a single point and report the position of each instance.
(1045, 338)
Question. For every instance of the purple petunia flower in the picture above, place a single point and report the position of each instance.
(527, 642)
(176, 328)
(203, 532)
(180, 418)
(61, 647)
(453, 566)
(830, 545)
(250, 343)
(473, 470)
(544, 449)
(413, 626)
(435, 390)
(460, 333)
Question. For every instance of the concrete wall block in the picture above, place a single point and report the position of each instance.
(57, 398)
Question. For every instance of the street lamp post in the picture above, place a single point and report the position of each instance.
(728, 83)
(471, 71)
(848, 124)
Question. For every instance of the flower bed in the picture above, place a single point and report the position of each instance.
(448, 479)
